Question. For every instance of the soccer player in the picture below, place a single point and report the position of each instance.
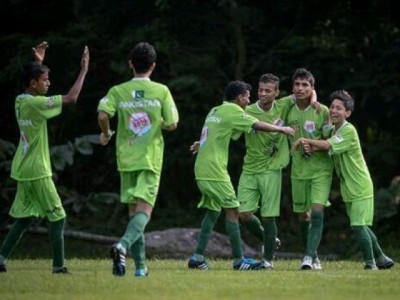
(266, 155)
(355, 181)
(223, 123)
(144, 107)
(311, 175)
(36, 195)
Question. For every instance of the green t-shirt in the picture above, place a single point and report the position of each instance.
(267, 151)
(223, 123)
(32, 159)
(350, 165)
(143, 107)
(310, 124)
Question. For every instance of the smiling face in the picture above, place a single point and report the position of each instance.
(267, 92)
(338, 113)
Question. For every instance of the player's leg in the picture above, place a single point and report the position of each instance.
(248, 197)
(213, 210)
(138, 251)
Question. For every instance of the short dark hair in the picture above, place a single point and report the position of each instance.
(270, 78)
(142, 56)
(303, 73)
(344, 96)
(32, 71)
(236, 88)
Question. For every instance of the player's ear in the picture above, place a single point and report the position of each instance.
(348, 113)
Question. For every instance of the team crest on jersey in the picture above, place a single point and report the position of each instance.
(138, 94)
(279, 122)
(50, 102)
(337, 138)
(309, 126)
(139, 123)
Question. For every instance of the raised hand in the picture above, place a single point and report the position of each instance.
(40, 51)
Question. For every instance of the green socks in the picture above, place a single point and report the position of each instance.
(375, 245)
(135, 229)
(315, 232)
(139, 253)
(56, 234)
(271, 232)
(254, 226)
(304, 225)
(207, 226)
(363, 239)
(233, 231)
(14, 235)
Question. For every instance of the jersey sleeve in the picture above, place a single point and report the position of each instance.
(45, 107)
(169, 111)
(342, 141)
(108, 103)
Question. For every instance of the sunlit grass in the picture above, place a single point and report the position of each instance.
(171, 279)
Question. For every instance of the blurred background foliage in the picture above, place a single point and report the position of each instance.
(201, 45)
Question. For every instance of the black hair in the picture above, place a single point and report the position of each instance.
(236, 88)
(270, 78)
(142, 57)
(304, 74)
(344, 96)
(32, 71)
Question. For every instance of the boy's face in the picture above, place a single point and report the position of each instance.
(243, 99)
(338, 113)
(267, 92)
(302, 89)
(41, 85)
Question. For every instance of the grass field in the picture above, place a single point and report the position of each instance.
(171, 279)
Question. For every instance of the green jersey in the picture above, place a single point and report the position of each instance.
(267, 151)
(32, 159)
(309, 124)
(350, 165)
(143, 107)
(223, 123)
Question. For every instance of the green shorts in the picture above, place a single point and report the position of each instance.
(217, 195)
(37, 198)
(309, 191)
(361, 212)
(261, 190)
(141, 184)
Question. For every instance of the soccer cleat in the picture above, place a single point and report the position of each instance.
(118, 253)
(386, 263)
(62, 270)
(244, 264)
(3, 268)
(142, 272)
(195, 264)
(263, 265)
(316, 264)
(306, 263)
(370, 267)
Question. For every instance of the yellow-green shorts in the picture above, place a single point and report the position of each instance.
(217, 195)
(306, 192)
(261, 191)
(360, 212)
(141, 184)
(37, 198)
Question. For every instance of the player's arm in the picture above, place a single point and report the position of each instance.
(170, 127)
(104, 123)
(73, 93)
(266, 127)
(310, 145)
(39, 51)
(314, 101)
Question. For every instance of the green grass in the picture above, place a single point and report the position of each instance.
(171, 279)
